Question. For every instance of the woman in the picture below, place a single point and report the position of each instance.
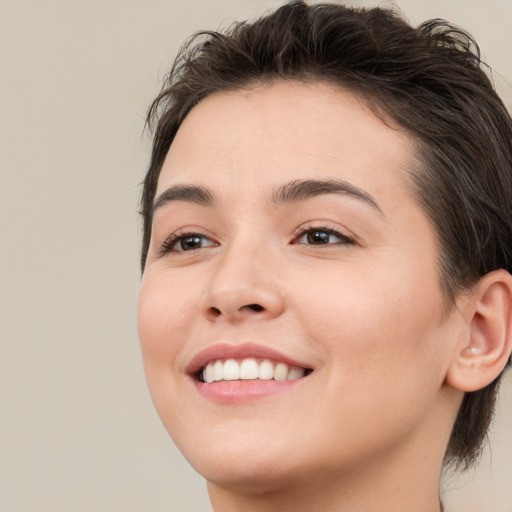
(325, 310)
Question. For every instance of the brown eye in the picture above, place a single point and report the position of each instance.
(323, 237)
(189, 243)
(186, 242)
(318, 237)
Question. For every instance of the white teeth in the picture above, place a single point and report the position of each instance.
(281, 371)
(250, 369)
(295, 373)
(266, 370)
(231, 370)
(208, 373)
(218, 370)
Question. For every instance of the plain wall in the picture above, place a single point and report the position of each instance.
(78, 431)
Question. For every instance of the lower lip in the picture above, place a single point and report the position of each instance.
(239, 391)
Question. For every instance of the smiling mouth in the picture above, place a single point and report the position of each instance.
(250, 368)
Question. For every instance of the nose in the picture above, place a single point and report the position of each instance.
(243, 286)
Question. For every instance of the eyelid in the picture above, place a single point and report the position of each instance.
(327, 228)
(169, 244)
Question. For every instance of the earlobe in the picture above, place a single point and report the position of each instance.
(486, 348)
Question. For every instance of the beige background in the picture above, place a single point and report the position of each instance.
(77, 429)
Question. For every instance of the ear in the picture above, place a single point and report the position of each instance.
(486, 345)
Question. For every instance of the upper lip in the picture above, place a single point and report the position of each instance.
(238, 351)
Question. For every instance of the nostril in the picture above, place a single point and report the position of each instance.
(215, 311)
(255, 307)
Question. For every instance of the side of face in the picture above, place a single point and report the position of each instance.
(306, 247)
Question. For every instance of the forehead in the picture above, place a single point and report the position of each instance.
(267, 135)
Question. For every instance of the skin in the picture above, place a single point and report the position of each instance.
(367, 429)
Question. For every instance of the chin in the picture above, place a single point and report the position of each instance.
(246, 460)
(246, 475)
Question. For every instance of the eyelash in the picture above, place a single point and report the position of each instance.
(344, 239)
(170, 244)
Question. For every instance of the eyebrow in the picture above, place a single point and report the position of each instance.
(189, 193)
(300, 190)
(294, 191)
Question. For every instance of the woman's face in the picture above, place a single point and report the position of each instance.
(287, 242)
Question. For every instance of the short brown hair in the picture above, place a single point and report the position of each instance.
(430, 80)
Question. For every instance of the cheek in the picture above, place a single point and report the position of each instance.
(164, 308)
(162, 325)
(375, 325)
(162, 319)
(384, 358)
